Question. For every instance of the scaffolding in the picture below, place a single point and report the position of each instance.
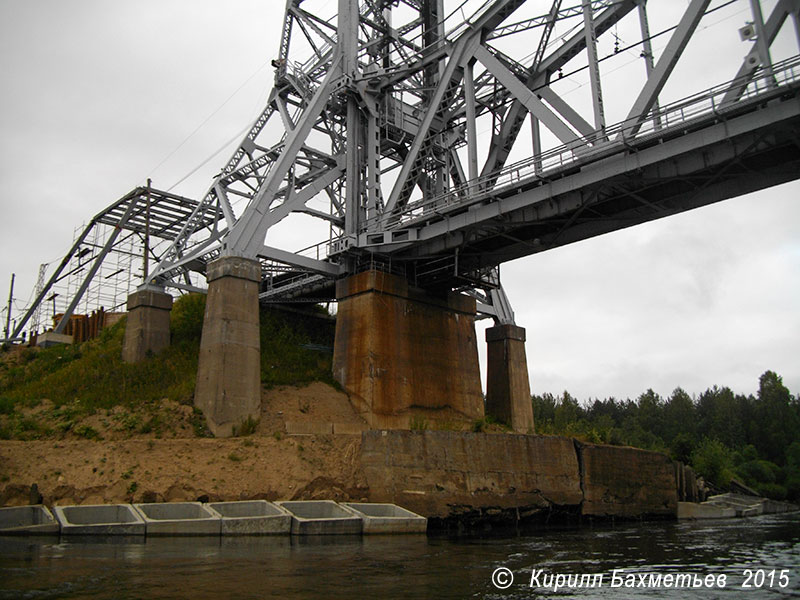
(106, 261)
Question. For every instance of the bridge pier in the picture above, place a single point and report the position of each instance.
(406, 357)
(147, 327)
(508, 392)
(228, 388)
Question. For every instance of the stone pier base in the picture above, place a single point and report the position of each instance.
(406, 358)
(147, 328)
(508, 392)
(228, 388)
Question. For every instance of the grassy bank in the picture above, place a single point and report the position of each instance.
(50, 392)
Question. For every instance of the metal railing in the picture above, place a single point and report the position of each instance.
(666, 120)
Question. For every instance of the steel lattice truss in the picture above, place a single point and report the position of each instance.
(373, 128)
(145, 219)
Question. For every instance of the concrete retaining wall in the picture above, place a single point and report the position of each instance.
(627, 482)
(453, 475)
(444, 474)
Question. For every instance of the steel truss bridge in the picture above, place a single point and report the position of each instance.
(441, 139)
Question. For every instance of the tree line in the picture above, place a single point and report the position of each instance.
(721, 434)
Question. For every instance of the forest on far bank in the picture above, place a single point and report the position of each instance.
(721, 434)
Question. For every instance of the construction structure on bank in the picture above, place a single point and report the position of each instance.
(374, 128)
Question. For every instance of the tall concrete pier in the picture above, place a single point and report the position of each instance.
(508, 392)
(403, 354)
(147, 328)
(228, 388)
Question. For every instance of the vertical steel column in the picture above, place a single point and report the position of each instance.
(347, 35)
(796, 18)
(347, 43)
(594, 68)
(146, 265)
(472, 129)
(431, 14)
(647, 53)
(8, 310)
(536, 137)
(373, 167)
(762, 42)
(353, 168)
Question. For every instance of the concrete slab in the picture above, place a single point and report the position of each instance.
(321, 517)
(180, 518)
(349, 428)
(100, 519)
(691, 510)
(745, 506)
(387, 518)
(49, 339)
(26, 520)
(308, 428)
(253, 517)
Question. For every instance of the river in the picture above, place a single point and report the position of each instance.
(658, 558)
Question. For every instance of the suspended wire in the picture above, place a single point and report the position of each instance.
(207, 160)
(650, 38)
(208, 118)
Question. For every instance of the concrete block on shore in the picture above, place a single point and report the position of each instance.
(387, 518)
(252, 517)
(691, 510)
(180, 518)
(49, 339)
(321, 517)
(26, 520)
(100, 519)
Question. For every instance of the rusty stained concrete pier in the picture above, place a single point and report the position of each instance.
(403, 354)
(508, 390)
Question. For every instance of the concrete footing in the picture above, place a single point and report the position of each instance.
(387, 518)
(101, 519)
(179, 518)
(228, 389)
(48, 339)
(147, 328)
(26, 520)
(508, 392)
(404, 355)
(253, 517)
(322, 517)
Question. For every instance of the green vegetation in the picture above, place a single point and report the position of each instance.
(286, 358)
(91, 378)
(248, 427)
(722, 435)
(417, 423)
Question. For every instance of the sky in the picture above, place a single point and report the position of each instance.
(97, 96)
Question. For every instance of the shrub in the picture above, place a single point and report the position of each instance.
(186, 318)
(713, 460)
(248, 427)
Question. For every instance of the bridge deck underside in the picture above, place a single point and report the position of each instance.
(752, 149)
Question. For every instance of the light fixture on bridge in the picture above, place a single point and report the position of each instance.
(748, 32)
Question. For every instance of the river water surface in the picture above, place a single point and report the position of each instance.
(419, 566)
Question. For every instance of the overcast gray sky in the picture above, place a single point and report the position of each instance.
(95, 95)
